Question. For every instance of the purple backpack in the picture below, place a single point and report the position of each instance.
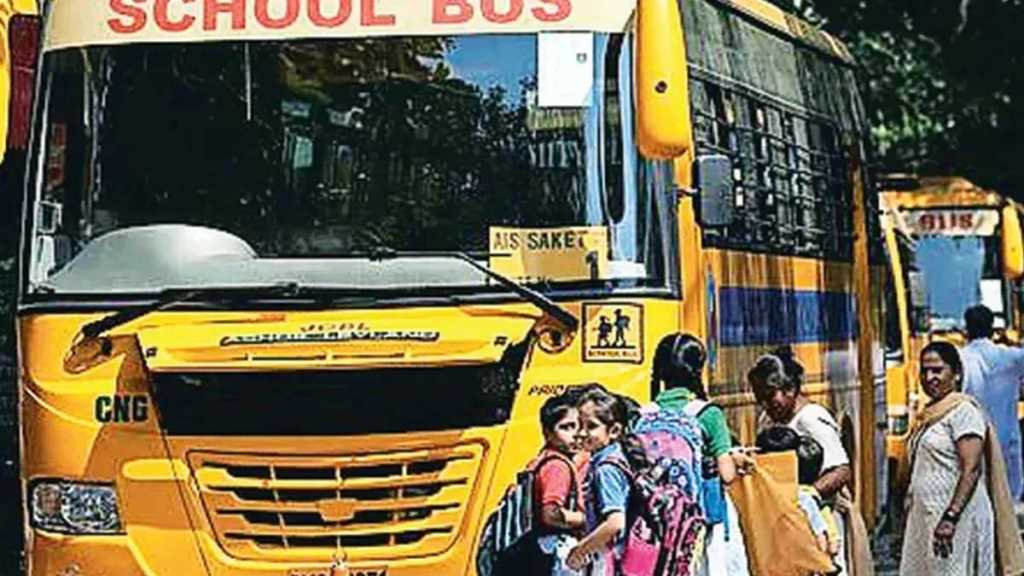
(665, 520)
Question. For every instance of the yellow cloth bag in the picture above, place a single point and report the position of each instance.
(777, 536)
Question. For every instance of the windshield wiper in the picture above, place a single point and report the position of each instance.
(174, 296)
(568, 321)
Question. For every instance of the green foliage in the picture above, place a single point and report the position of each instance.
(944, 80)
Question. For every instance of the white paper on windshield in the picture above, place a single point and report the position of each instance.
(992, 295)
(953, 222)
(565, 69)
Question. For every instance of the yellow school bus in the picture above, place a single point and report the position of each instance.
(795, 265)
(966, 250)
(297, 276)
(905, 329)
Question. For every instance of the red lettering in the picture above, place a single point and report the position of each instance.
(371, 18)
(442, 14)
(515, 9)
(267, 21)
(214, 8)
(563, 9)
(318, 18)
(164, 21)
(136, 17)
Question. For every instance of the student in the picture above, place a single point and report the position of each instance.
(604, 418)
(677, 384)
(550, 487)
(557, 489)
(809, 459)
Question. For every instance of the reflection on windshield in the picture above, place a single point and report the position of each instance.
(955, 269)
(328, 148)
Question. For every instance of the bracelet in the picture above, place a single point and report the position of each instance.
(951, 516)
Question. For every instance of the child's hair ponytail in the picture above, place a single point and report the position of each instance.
(679, 363)
(632, 448)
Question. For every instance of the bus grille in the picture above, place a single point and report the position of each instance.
(359, 507)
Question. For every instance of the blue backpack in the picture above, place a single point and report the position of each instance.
(711, 483)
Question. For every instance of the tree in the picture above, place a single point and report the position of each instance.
(944, 81)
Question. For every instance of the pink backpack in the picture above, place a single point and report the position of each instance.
(665, 521)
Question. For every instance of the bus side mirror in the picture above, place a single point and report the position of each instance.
(1012, 247)
(712, 176)
(663, 107)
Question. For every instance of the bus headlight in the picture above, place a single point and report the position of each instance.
(74, 508)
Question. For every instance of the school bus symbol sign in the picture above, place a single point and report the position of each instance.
(614, 333)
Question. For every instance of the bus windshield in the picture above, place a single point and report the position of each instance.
(303, 151)
(959, 272)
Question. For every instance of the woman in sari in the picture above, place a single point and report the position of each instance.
(958, 504)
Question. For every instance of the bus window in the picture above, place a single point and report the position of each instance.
(975, 258)
(338, 148)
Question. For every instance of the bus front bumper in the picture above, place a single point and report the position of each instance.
(58, 555)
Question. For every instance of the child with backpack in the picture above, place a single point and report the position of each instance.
(644, 512)
(557, 490)
(809, 461)
(540, 517)
(604, 419)
(677, 385)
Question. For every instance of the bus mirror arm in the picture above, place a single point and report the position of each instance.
(713, 180)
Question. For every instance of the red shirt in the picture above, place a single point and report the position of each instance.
(555, 479)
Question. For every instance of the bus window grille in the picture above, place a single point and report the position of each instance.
(793, 191)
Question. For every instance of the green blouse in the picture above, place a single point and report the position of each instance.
(711, 420)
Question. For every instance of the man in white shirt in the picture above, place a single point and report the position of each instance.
(992, 374)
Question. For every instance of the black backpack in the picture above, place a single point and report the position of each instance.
(508, 544)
